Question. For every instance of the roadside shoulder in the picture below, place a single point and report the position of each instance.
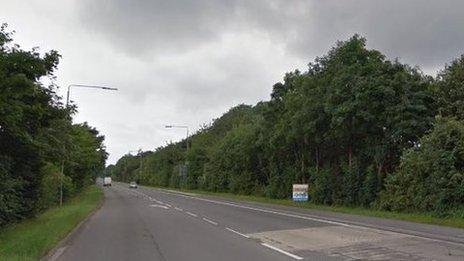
(56, 251)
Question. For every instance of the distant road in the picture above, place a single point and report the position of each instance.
(155, 224)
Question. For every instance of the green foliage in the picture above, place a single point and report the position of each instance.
(370, 188)
(321, 187)
(10, 196)
(342, 126)
(431, 175)
(49, 186)
(450, 90)
(352, 179)
(37, 136)
(31, 239)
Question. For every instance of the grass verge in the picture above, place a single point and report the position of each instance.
(33, 238)
(427, 218)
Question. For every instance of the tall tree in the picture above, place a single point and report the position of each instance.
(37, 136)
(450, 90)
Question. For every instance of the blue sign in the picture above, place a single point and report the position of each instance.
(300, 192)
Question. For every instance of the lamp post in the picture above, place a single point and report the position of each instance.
(67, 105)
(184, 169)
(86, 86)
(182, 127)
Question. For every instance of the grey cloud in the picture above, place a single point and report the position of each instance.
(140, 27)
(423, 32)
(221, 81)
(187, 62)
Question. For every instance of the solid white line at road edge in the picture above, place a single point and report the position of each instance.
(264, 210)
(236, 232)
(58, 253)
(282, 251)
(351, 224)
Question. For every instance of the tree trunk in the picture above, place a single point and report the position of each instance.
(379, 168)
(303, 178)
(317, 158)
(350, 156)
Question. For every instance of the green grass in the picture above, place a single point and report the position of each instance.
(33, 238)
(427, 218)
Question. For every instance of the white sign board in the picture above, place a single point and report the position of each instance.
(300, 192)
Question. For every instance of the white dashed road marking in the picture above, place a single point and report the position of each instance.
(158, 206)
(167, 206)
(315, 218)
(191, 214)
(210, 221)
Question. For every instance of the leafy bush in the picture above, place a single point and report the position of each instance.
(321, 187)
(49, 188)
(371, 186)
(11, 207)
(431, 175)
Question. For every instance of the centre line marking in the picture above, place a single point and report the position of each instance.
(158, 206)
(282, 251)
(179, 209)
(236, 232)
(191, 214)
(167, 204)
(210, 221)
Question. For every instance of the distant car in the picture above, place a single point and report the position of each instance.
(133, 185)
(107, 181)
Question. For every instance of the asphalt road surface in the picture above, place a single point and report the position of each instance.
(155, 224)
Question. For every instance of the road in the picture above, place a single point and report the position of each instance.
(156, 224)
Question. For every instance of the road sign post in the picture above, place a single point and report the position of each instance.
(300, 192)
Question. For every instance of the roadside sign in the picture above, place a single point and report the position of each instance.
(182, 170)
(300, 192)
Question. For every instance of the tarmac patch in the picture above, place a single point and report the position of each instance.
(354, 243)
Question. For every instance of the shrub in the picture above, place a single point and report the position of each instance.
(431, 175)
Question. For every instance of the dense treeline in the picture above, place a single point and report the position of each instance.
(38, 141)
(359, 128)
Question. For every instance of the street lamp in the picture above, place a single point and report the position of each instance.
(67, 105)
(86, 86)
(182, 127)
(184, 168)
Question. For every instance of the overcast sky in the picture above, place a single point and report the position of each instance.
(187, 62)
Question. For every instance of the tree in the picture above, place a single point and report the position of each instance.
(431, 175)
(342, 126)
(25, 108)
(37, 136)
(450, 90)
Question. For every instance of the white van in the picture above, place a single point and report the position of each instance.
(107, 181)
